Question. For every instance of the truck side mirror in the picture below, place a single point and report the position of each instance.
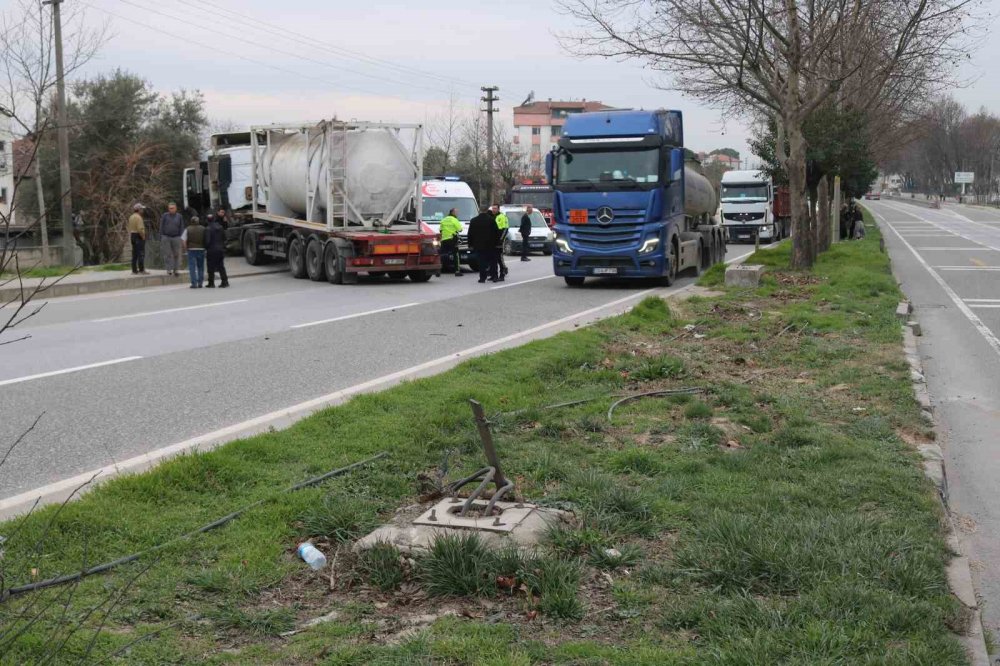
(548, 167)
(676, 164)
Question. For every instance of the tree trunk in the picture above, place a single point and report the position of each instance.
(43, 226)
(823, 232)
(803, 236)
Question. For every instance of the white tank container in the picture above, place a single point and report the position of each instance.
(378, 173)
(699, 195)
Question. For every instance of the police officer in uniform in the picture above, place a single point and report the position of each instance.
(450, 229)
(503, 224)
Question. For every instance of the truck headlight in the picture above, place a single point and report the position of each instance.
(563, 245)
(649, 245)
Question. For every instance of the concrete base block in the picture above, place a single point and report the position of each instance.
(744, 275)
(532, 524)
(915, 327)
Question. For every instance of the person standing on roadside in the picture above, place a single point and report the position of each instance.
(215, 244)
(451, 227)
(503, 226)
(136, 228)
(193, 242)
(171, 228)
(222, 217)
(483, 238)
(525, 231)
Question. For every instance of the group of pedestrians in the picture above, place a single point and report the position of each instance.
(200, 242)
(487, 236)
(852, 222)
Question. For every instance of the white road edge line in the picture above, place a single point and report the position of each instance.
(168, 311)
(61, 490)
(968, 268)
(982, 300)
(983, 329)
(957, 249)
(65, 371)
(514, 284)
(984, 305)
(355, 315)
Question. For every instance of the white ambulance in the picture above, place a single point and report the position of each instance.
(440, 195)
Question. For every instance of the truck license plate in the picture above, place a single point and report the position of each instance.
(394, 262)
(605, 271)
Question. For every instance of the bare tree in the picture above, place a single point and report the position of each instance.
(446, 132)
(28, 75)
(781, 59)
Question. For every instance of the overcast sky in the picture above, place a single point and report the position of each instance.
(262, 61)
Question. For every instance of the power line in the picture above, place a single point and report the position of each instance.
(354, 55)
(254, 61)
(292, 54)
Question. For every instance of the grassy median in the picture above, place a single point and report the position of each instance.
(778, 517)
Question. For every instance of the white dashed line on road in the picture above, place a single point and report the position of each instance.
(171, 310)
(355, 315)
(65, 371)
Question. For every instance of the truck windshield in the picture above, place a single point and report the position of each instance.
(435, 208)
(610, 167)
(744, 192)
(538, 199)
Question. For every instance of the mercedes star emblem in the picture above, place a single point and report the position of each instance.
(605, 215)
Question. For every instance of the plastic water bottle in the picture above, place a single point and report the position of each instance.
(312, 556)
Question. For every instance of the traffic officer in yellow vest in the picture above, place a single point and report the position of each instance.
(450, 229)
(503, 224)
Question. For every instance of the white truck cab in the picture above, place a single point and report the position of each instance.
(747, 203)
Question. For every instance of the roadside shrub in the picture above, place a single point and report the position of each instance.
(458, 566)
(556, 582)
(340, 518)
(636, 460)
(698, 410)
(627, 555)
(797, 437)
(382, 566)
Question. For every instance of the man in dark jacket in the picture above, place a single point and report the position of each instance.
(215, 244)
(484, 238)
(525, 232)
(171, 227)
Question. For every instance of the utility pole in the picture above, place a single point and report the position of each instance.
(65, 190)
(490, 99)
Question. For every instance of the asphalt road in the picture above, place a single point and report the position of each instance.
(948, 262)
(121, 374)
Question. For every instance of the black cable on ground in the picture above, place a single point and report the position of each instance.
(684, 391)
(100, 568)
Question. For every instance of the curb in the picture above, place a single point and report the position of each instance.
(959, 571)
(115, 284)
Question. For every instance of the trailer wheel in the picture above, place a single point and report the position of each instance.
(297, 258)
(314, 260)
(703, 260)
(574, 281)
(421, 276)
(251, 250)
(331, 261)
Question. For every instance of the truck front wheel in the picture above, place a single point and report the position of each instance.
(297, 258)
(671, 275)
(314, 260)
(331, 260)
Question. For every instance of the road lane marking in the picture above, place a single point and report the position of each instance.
(65, 371)
(984, 305)
(355, 315)
(962, 249)
(983, 329)
(968, 268)
(982, 300)
(514, 284)
(169, 311)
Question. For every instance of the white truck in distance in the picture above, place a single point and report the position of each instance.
(748, 207)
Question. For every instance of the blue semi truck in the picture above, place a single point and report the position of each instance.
(627, 204)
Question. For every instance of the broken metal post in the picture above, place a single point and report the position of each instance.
(487, 437)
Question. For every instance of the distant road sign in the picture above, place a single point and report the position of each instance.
(964, 177)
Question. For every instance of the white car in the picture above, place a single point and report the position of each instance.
(541, 238)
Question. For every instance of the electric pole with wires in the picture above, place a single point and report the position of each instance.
(490, 109)
(66, 194)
